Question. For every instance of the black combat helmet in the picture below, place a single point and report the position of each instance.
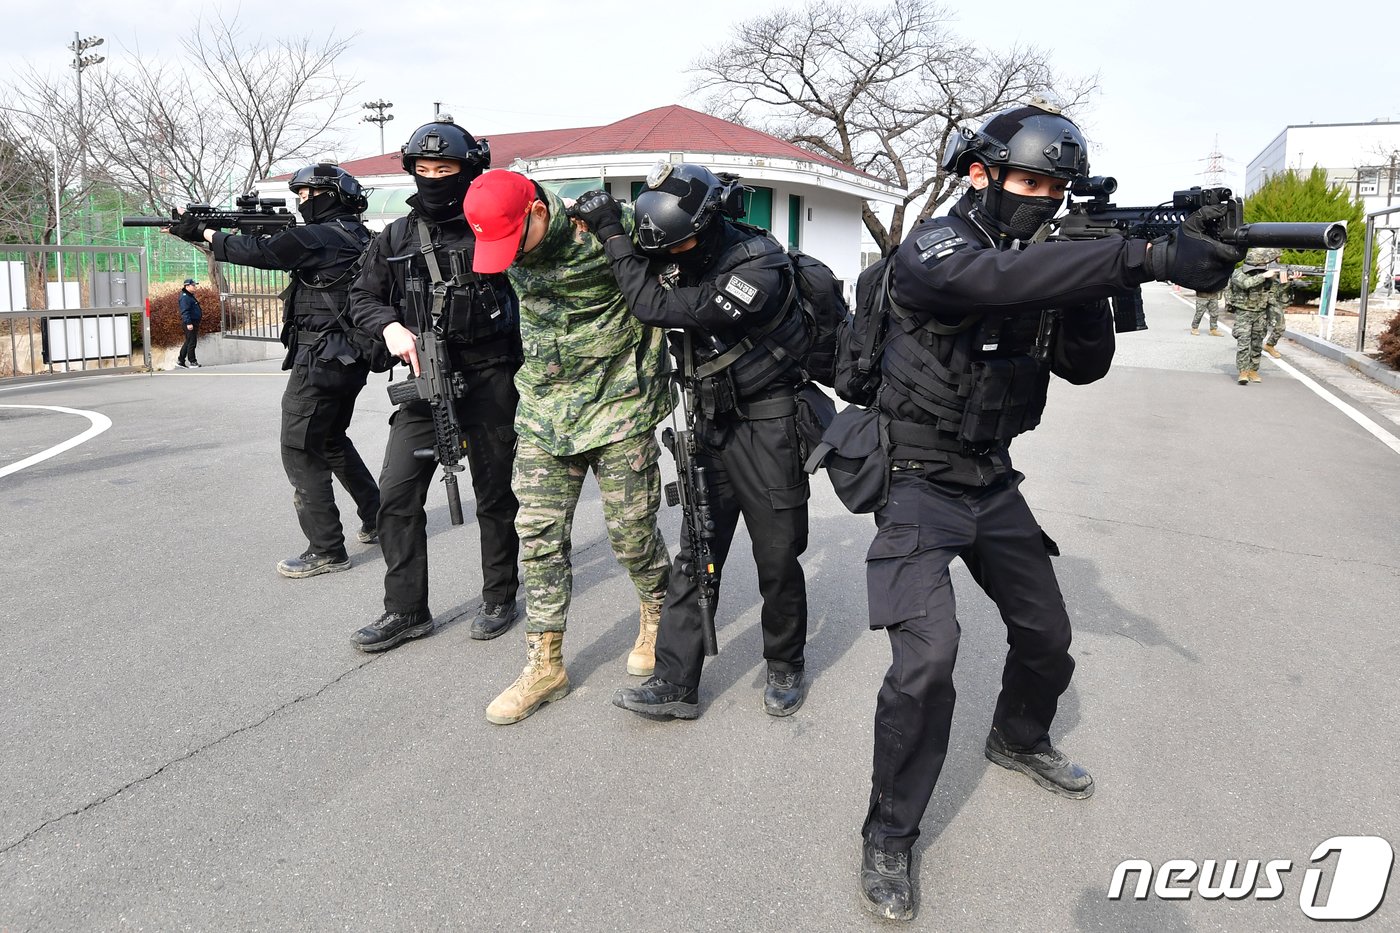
(327, 176)
(1034, 137)
(443, 139)
(680, 200)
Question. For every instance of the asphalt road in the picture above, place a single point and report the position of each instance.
(189, 741)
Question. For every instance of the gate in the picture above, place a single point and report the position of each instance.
(252, 308)
(66, 310)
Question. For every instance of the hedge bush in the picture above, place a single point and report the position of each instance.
(1390, 343)
(166, 327)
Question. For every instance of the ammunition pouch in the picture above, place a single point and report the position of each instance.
(855, 451)
(1006, 398)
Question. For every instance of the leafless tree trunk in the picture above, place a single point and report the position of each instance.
(877, 88)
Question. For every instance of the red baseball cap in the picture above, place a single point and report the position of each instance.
(495, 206)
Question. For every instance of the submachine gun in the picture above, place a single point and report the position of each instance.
(1096, 218)
(440, 387)
(692, 493)
(250, 214)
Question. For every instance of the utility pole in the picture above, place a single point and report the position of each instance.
(81, 61)
(379, 116)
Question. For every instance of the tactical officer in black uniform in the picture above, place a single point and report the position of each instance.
(328, 369)
(418, 275)
(727, 291)
(978, 321)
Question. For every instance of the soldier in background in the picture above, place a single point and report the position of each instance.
(398, 295)
(1280, 297)
(592, 391)
(328, 368)
(1251, 292)
(1207, 303)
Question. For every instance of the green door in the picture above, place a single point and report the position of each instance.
(794, 221)
(759, 204)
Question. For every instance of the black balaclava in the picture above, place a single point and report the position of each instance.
(1015, 216)
(694, 261)
(441, 198)
(319, 207)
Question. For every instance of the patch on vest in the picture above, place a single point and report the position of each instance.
(742, 291)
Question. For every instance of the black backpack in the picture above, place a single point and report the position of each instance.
(825, 310)
(862, 337)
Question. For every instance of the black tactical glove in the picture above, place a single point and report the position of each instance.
(601, 213)
(1191, 257)
(189, 228)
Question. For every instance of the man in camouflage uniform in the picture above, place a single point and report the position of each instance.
(592, 390)
(1251, 291)
(1280, 297)
(1207, 303)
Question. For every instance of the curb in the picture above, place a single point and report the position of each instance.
(1357, 361)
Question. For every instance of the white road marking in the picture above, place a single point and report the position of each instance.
(100, 423)
(1380, 433)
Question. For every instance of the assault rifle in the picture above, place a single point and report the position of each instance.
(251, 214)
(691, 492)
(440, 387)
(1097, 217)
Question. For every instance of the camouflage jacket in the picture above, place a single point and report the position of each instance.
(593, 373)
(1249, 292)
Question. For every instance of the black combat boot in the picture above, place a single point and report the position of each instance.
(309, 564)
(1052, 770)
(785, 692)
(656, 697)
(493, 619)
(392, 628)
(368, 534)
(885, 887)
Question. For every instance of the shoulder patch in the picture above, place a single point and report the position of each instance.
(939, 243)
(744, 292)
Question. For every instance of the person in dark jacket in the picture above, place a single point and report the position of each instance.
(738, 333)
(190, 316)
(417, 277)
(328, 368)
(981, 314)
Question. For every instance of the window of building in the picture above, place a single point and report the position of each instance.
(1367, 182)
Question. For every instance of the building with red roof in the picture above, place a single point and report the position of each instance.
(807, 200)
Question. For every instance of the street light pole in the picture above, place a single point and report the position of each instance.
(379, 116)
(81, 61)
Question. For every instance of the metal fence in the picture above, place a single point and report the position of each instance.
(252, 306)
(72, 309)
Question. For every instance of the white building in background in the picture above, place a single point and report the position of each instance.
(807, 201)
(1363, 157)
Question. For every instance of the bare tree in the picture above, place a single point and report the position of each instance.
(283, 98)
(877, 88)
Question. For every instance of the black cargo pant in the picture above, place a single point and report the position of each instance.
(315, 448)
(922, 527)
(756, 472)
(189, 350)
(486, 413)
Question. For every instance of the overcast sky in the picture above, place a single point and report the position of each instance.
(1175, 77)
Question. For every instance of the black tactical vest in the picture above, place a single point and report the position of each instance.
(771, 345)
(966, 386)
(476, 308)
(318, 297)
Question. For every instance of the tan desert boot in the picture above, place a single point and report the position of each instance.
(1215, 332)
(543, 680)
(1254, 376)
(1244, 377)
(1195, 332)
(642, 661)
(1269, 349)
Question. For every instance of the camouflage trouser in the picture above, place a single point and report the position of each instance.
(1277, 323)
(1205, 306)
(548, 489)
(1250, 325)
